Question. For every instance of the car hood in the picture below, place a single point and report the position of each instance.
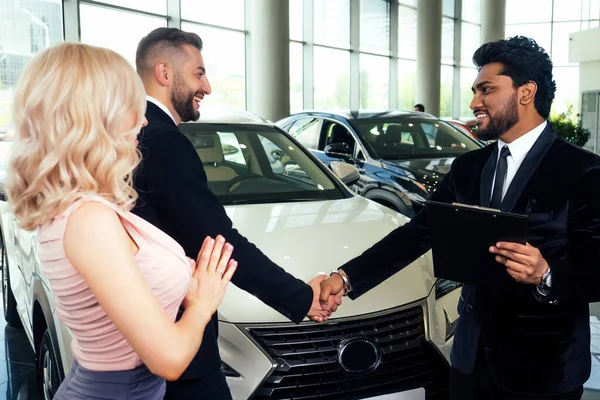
(311, 238)
(428, 171)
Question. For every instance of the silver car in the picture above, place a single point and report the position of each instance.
(393, 341)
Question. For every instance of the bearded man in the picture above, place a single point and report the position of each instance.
(529, 339)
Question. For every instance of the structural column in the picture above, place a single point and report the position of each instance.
(493, 20)
(269, 58)
(429, 54)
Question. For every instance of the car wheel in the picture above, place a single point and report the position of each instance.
(8, 299)
(47, 367)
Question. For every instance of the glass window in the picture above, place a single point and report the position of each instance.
(232, 150)
(407, 33)
(595, 9)
(412, 3)
(567, 10)
(567, 88)
(560, 41)
(541, 33)
(594, 24)
(296, 24)
(448, 40)
(590, 9)
(296, 77)
(374, 81)
(228, 13)
(446, 89)
(448, 8)
(467, 77)
(225, 61)
(277, 170)
(332, 78)
(25, 29)
(375, 26)
(338, 133)
(126, 28)
(306, 131)
(400, 137)
(153, 6)
(407, 76)
(332, 22)
(527, 11)
(471, 11)
(470, 41)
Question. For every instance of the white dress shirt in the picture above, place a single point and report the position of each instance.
(161, 106)
(518, 150)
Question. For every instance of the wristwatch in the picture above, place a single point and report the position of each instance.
(546, 284)
(347, 286)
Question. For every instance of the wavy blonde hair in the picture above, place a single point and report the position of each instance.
(77, 112)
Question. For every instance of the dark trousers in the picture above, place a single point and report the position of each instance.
(480, 385)
(209, 387)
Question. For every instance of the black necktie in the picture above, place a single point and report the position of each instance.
(501, 168)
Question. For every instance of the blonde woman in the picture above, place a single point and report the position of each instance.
(118, 281)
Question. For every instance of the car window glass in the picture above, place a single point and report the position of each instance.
(337, 133)
(247, 164)
(282, 163)
(232, 150)
(306, 132)
(413, 137)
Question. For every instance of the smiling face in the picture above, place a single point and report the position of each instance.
(190, 85)
(495, 102)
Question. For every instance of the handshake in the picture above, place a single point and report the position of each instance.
(327, 296)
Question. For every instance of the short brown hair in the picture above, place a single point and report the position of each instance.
(160, 40)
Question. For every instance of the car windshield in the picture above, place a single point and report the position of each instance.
(247, 163)
(410, 137)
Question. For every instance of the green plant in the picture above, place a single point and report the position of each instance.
(567, 127)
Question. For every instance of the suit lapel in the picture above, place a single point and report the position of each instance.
(155, 111)
(487, 176)
(527, 168)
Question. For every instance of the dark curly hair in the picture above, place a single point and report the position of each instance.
(524, 61)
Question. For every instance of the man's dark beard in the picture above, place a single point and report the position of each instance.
(183, 102)
(502, 122)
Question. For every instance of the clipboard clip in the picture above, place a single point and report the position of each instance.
(476, 207)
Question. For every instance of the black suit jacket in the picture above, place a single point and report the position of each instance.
(533, 344)
(174, 196)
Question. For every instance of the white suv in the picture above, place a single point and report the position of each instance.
(395, 339)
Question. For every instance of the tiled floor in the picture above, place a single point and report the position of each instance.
(18, 379)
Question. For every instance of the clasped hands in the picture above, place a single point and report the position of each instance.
(320, 311)
(523, 262)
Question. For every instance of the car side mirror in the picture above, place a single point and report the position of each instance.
(346, 172)
(338, 150)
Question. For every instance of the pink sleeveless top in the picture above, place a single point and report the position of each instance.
(97, 344)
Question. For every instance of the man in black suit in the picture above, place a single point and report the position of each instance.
(174, 196)
(531, 338)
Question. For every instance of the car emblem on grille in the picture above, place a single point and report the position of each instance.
(359, 355)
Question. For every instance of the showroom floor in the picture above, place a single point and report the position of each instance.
(17, 363)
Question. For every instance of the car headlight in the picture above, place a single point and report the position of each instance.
(228, 371)
(444, 286)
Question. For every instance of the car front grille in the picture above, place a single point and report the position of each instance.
(307, 366)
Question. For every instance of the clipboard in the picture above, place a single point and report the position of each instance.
(461, 236)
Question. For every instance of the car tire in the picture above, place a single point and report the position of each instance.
(11, 316)
(47, 368)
